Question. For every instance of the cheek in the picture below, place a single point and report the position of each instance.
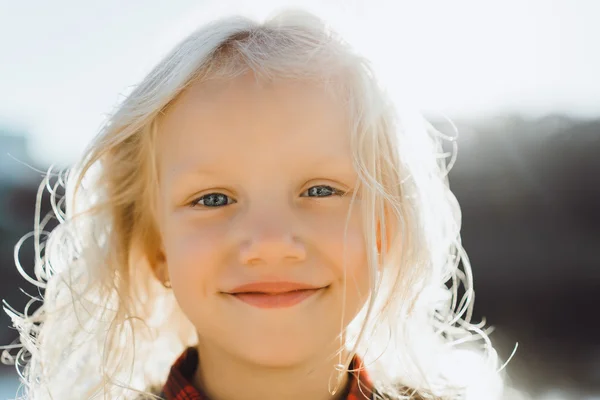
(345, 250)
(356, 268)
(191, 249)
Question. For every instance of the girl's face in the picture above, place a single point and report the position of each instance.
(250, 192)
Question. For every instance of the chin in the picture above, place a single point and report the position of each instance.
(274, 353)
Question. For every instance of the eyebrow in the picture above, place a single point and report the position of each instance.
(333, 164)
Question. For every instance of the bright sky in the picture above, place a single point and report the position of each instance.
(65, 63)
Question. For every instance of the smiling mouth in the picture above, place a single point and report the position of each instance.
(276, 300)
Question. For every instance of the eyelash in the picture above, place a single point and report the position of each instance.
(335, 192)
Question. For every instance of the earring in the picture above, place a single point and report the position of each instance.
(167, 284)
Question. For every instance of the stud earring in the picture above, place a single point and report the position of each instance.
(167, 284)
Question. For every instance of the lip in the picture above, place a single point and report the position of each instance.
(277, 300)
(274, 294)
(272, 287)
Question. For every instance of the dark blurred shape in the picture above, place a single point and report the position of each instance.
(18, 189)
(530, 195)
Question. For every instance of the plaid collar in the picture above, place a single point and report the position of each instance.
(179, 386)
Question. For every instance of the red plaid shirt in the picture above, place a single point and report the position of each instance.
(179, 386)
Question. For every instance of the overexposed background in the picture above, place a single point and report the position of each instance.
(65, 63)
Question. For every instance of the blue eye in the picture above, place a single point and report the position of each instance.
(211, 200)
(324, 191)
(216, 200)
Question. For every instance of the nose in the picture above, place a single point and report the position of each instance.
(271, 238)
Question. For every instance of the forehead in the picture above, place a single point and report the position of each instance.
(214, 121)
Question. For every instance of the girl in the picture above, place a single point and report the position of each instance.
(256, 221)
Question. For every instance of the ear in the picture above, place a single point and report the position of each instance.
(387, 236)
(378, 236)
(160, 268)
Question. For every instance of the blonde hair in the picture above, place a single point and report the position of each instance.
(107, 328)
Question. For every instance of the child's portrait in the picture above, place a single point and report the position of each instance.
(260, 217)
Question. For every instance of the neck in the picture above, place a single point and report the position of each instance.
(223, 376)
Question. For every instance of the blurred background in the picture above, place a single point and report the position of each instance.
(517, 78)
